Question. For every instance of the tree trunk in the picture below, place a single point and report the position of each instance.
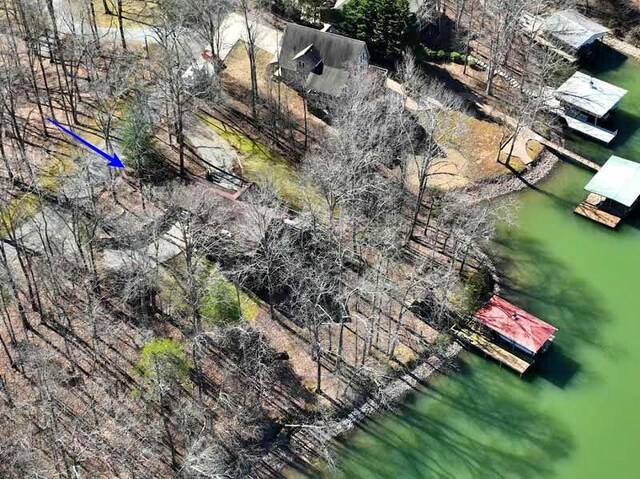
(6, 351)
(121, 26)
(318, 364)
(306, 127)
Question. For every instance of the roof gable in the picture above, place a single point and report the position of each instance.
(336, 51)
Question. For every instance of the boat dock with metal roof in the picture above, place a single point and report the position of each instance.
(507, 333)
(612, 193)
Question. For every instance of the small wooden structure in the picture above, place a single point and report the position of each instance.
(491, 349)
(507, 334)
(612, 193)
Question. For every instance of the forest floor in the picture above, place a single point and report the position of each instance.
(96, 350)
(249, 150)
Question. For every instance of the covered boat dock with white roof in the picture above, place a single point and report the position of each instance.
(590, 95)
(572, 29)
(612, 192)
(584, 102)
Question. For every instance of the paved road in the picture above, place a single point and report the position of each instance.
(69, 22)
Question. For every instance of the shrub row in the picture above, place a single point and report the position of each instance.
(442, 56)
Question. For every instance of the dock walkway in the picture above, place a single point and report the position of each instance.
(623, 47)
(468, 336)
(528, 134)
(570, 154)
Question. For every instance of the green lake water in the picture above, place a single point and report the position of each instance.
(578, 414)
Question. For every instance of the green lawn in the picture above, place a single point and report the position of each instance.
(216, 288)
(259, 163)
(17, 211)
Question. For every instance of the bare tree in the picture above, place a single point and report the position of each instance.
(112, 80)
(528, 107)
(266, 243)
(174, 59)
(201, 234)
(436, 113)
(251, 11)
(208, 22)
(501, 25)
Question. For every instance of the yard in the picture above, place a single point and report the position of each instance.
(258, 162)
(134, 13)
(237, 80)
(471, 155)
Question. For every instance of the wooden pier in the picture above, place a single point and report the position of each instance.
(589, 208)
(570, 154)
(472, 338)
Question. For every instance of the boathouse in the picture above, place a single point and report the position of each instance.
(572, 31)
(586, 104)
(612, 193)
(516, 327)
(507, 333)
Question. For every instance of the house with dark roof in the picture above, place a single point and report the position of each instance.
(317, 60)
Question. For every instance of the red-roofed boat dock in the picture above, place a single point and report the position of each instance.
(507, 333)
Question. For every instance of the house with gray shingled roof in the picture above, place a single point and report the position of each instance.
(317, 60)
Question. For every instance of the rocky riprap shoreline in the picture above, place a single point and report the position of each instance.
(313, 440)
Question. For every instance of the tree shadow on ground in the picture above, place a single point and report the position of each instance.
(158, 170)
(435, 71)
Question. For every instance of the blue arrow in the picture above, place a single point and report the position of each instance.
(114, 161)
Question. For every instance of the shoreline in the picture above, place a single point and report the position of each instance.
(396, 392)
(505, 185)
(319, 438)
(625, 48)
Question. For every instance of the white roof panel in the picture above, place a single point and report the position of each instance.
(573, 29)
(590, 130)
(590, 94)
(618, 179)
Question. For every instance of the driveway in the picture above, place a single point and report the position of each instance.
(232, 29)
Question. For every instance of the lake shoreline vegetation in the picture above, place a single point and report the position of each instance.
(276, 271)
